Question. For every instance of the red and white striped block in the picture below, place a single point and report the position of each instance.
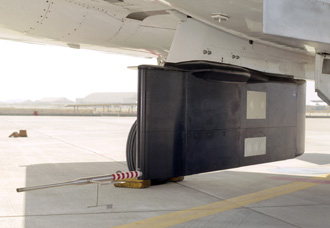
(126, 175)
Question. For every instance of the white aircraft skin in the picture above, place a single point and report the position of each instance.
(99, 25)
(149, 28)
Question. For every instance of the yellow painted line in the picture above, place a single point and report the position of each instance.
(187, 215)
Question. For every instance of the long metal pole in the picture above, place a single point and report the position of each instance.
(88, 180)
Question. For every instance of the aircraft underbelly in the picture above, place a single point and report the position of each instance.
(135, 24)
(80, 23)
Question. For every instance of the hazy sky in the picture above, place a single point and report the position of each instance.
(31, 72)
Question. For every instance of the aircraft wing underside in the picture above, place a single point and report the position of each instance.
(147, 27)
(288, 23)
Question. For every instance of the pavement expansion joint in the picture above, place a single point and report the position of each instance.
(205, 193)
(299, 205)
(89, 213)
(79, 147)
(269, 216)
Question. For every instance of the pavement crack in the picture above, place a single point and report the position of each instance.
(278, 206)
(79, 147)
(205, 193)
(281, 220)
(87, 213)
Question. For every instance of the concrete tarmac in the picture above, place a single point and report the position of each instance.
(291, 193)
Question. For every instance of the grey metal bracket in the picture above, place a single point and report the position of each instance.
(322, 76)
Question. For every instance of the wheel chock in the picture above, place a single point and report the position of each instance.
(176, 179)
(132, 183)
(22, 133)
(14, 134)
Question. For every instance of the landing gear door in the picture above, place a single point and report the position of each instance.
(322, 77)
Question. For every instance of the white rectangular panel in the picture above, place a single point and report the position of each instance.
(254, 146)
(256, 105)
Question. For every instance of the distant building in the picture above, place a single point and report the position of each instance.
(108, 98)
(54, 100)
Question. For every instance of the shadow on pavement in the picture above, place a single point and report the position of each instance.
(316, 158)
(69, 206)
